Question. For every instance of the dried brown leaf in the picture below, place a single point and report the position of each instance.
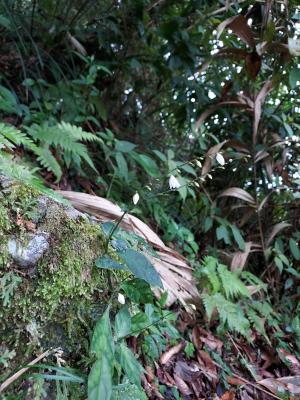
(240, 257)
(238, 24)
(76, 44)
(228, 396)
(209, 157)
(287, 384)
(238, 193)
(252, 64)
(259, 100)
(214, 108)
(260, 155)
(187, 371)
(182, 386)
(275, 230)
(201, 335)
(234, 381)
(165, 357)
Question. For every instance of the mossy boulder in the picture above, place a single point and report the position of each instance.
(50, 290)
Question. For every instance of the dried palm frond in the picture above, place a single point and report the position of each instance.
(175, 272)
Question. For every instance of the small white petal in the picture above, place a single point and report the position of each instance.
(220, 159)
(173, 182)
(136, 198)
(199, 163)
(121, 298)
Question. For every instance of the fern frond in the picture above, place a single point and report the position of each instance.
(48, 161)
(253, 280)
(77, 132)
(258, 322)
(231, 315)
(11, 136)
(209, 270)
(232, 285)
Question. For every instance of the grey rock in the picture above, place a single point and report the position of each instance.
(29, 254)
(72, 213)
(41, 209)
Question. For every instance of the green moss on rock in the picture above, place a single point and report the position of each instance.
(60, 297)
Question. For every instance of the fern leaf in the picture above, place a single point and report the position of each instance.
(48, 161)
(209, 270)
(253, 280)
(232, 285)
(258, 322)
(77, 132)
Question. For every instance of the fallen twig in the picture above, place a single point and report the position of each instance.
(14, 377)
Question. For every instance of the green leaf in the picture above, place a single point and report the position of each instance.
(100, 380)
(122, 323)
(294, 77)
(294, 249)
(147, 164)
(139, 322)
(278, 263)
(141, 267)
(222, 233)
(122, 166)
(208, 222)
(62, 378)
(124, 146)
(130, 365)
(107, 262)
(102, 341)
(238, 237)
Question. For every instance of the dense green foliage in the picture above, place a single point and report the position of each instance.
(116, 97)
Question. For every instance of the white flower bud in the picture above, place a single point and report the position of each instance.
(136, 198)
(121, 298)
(173, 182)
(220, 159)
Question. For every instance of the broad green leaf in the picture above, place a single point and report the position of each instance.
(147, 163)
(107, 262)
(100, 380)
(102, 341)
(124, 146)
(238, 237)
(122, 323)
(208, 222)
(278, 263)
(130, 365)
(294, 249)
(160, 155)
(139, 322)
(222, 233)
(189, 169)
(122, 166)
(141, 267)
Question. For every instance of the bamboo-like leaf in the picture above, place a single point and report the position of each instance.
(275, 230)
(238, 193)
(260, 99)
(209, 156)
